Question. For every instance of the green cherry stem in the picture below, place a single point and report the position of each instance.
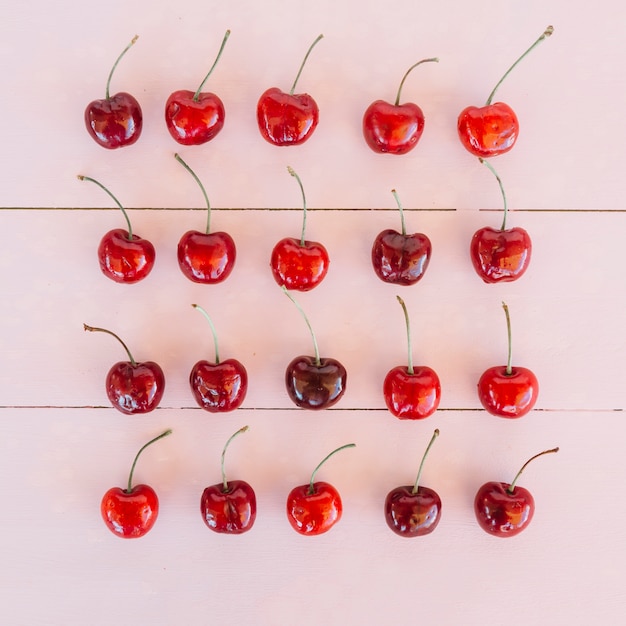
(402, 221)
(408, 335)
(213, 331)
(129, 488)
(93, 180)
(93, 329)
(225, 488)
(432, 60)
(311, 490)
(509, 367)
(196, 95)
(295, 175)
(306, 56)
(119, 58)
(419, 471)
(506, 207)
(511, 488)
(546, 33)
(206, 198)
(318, 361)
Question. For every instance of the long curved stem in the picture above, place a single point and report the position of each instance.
(295, 175)
(419, 472)
(219, 54)
(206, 198)
(506, 206)
(306, 56)
(119, 58)
(129, 488)
(311, 490)
(432, 60)
(318, 361)
(509, 361)
(395, 195)
(224, 481)
(108, 332)
(217, 354)
(408, 335)
(511, 488)
(128, 224)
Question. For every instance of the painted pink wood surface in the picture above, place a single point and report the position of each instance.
(62, 445)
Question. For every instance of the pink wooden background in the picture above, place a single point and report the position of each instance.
(62, 446)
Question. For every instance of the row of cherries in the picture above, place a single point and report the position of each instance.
(501, 509)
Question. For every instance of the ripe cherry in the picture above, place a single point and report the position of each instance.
(298, 263)
(218, 386)
(130, 513)
(230, 506)
(492, 129)
(410, 392)
(413, 510)
(504, 510)
(207, 257)
(133, 387)
(398, 258)
(507, 391)
(315, 508)
(394, 128)
(193, 118)
(288, 119)
(115, 121)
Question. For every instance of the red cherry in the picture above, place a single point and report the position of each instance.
(115, 121)
(492, 129)
(315, 508)
(207, 257)
(130, 513)
(504, 510)
(394, 128)
(230, 506)
(193, 118)
(413, 510)
(507, 391)
(398, 258)
(218, 386)
(287, 119)
(133, 387)
(298, 263)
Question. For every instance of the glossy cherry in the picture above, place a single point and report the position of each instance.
(299, 264)
(133, 387)
(314, 508)
(399, 258)
(492, 129)
(505, 510)
(507, 391)
(394, 128)
(218, 386)
(130, 513)
(410, 392)
(229, 506)
(413, 510)
(115, 121)
(288, 119)
(193, 118)
(205, 257)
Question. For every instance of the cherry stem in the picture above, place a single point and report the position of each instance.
(295, 175)
(132, 469)
(318, 361)
(546, 33)
(432, 60)
(511, 487)
(395, 195)
(419, 471)
(311, 490)
(119, 58)
(206, 198)
(306, 56)
(509, 367)
(109, 332)
(408, 335)
(93, 180)
(506, 208)
(196, 95)
(199, 308)
(225, 488)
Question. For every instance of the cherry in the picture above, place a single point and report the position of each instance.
(218, 386)
(288, 119)
(124, 257)
(492, 129)
(413, 510)
(315, 508)
(314, 382)
(133, 387)
(500, 256)
(207, 257)
(230, 506)
(115, 121)
(504, 510)
(130, 513)
(193, 118)
(394, 128)
(297, 263)
(411, 393)
(398, 258)
(508, 391)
